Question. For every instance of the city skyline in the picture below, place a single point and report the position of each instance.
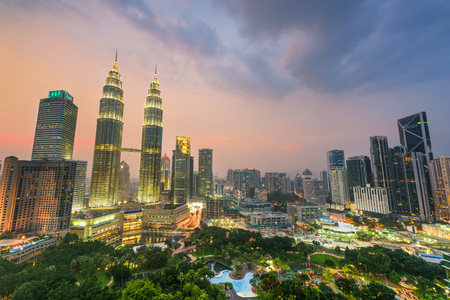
(211, 82)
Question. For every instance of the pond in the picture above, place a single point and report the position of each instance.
(242, 287)
(216, 265)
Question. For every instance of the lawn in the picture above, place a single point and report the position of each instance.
(219, 259)
(319, 258)
(101, 276)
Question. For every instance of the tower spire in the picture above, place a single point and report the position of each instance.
(116, 56)
(156, 71)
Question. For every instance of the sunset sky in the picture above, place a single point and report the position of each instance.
(270, 85)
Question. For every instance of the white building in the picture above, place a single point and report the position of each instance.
(339, 189)
(371, 201)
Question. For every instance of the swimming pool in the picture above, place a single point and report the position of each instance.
(242, 287)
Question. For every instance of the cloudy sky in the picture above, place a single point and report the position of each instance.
(267, 84)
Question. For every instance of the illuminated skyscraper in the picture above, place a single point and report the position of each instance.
(205, 172)
(124, 183)
(165, 172)
(359, 173)
(440, 185)
(55, 127)
(339, 187)
(150, 168)
(182, 170)
(108, 143)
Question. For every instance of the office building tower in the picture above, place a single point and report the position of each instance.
(55, 127)
(313, 191)
(439, 169)
(272, 184)
(150, 167)
(229, 184)
(246, 178)
(381, 166)
(165, 172)
(335, 158)
(181, 177)
(124, 183)
(205, 172)
(298, 184)
(108, 143)
(306, 175)
(324, 178)
(286, 188)
(339, 187)
(409, 185)
(359, 173)
(191, 178)
(415, 136)
(79, 186)
(195, 184)
(37, 196)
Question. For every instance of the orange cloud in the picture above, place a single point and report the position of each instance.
(290, 149)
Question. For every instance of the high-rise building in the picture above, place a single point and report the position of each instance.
(181, 174)
(205, 172)
(165, 172)
(246, 178)
(409, 186)
(37, 196)
(381, 166)
(55, 127)
(195, 184)
(313, 191)
(298, 184)
(80, 186)
(150, 167)
(191, 178)
(415, 136)
(335, 158)
(324, 178)
(372, 201)
(124, 183)
(108, 143)
(339, 187)
(359, 173)
(229, 184)
(439, 169)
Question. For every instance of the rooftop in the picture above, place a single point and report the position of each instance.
(304, 204)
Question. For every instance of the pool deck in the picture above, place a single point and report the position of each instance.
(241, 285)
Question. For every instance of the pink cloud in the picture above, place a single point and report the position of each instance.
(14, 140)
(290, 149)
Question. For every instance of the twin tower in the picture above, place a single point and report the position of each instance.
(108, 144)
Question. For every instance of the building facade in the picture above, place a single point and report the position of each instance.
(220, 208)
(37, 196)
(306, 211)
(182, 168)
(339, 187)
(55, 127)
(205, 173)
(359, 173)
(80, 186)
(313, 191)
(335, 158)
(152, 130)
(372, 201)
(439, 169)
(108, 143)
(270, 219)
(124, 183)
(165, 172)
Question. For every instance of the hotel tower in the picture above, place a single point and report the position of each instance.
(108, 143)
(150, 167)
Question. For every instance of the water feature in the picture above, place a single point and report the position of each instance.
(242, 287)
(216, 266)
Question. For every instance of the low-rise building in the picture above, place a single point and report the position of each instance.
(106, 228)
(446, 265)
(270, 219)
(336, 215)
(168, 217)
(19, 250)
(220, 208)
(306, 211)
(249, 206)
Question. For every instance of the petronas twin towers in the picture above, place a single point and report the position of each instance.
(108, 144)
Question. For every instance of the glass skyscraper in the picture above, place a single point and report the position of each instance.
(415, 136)
(182, 170)
(359, 173)
(108, 143)
(165, 172)
(150, 167)
(55, 127)
(335, 158)
(205, 172)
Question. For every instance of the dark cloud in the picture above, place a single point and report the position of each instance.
(197, 37)
(339, 46)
